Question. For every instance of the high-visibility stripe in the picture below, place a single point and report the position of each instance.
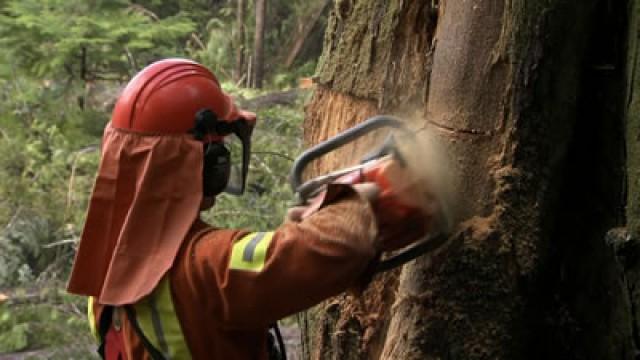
(92, 319)
(159, 322)
(250, 248)
(250, 252)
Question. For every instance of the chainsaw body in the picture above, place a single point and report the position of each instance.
(387, 168)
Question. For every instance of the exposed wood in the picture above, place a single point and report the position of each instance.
(529, 99)
(305, 83)
(396, 82)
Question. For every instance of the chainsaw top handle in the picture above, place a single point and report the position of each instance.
(356, 132)
(426, 245)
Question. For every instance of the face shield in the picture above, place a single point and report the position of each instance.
(240, 154)
(227, 154)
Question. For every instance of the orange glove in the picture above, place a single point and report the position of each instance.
(404, 209)
(403, 206)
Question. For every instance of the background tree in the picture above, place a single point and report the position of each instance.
(305, 25)
(87, 41)
(62, 66)
(530, 100)
(258, 44)
(239, 43)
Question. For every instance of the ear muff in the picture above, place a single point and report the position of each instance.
(216, 168)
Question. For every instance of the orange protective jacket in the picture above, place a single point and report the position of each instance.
(224, 308)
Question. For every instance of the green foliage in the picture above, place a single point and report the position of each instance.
(218, 54)
(200, 11)
(89, 40)
(47, 318)
(283, 19)
(277, 141)
(290, 78)
(47, 162)
(62, 65)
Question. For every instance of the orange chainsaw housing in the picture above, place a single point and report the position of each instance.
(399, 208)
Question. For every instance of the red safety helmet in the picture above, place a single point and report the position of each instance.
(177, 96)
(165, 96)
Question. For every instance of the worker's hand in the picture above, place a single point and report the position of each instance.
(368, 191)
(405, 206)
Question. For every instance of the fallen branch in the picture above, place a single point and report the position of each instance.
(273, 153)
(59, 243)
(288, 97)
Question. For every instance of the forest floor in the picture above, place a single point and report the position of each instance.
(290, 335)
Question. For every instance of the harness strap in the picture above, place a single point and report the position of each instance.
(276, 352)
(103, 327)
(106, 320)
(153, 352)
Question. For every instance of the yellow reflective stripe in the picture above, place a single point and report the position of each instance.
(250, 252)
(159, 323)
(92, 319)
(172, 331)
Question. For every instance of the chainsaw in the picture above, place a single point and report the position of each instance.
(385, 166)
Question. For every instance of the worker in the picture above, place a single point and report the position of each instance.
(161, 283)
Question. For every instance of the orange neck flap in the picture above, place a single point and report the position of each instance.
(146, 197)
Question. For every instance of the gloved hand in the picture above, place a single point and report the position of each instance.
(368, 191)
(402, 203)
(405, 207)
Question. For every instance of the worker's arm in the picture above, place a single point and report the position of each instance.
(254, 279)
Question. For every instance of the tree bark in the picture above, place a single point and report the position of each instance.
(529, 100)
(258, 47)
(239, 42)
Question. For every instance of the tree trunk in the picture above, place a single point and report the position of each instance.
(258, 47)
(305, 24)
(239, 42)
(529, 99)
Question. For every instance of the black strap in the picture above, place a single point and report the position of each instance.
(106, 318)
(103, 327)
(153, 352)
(276, 352)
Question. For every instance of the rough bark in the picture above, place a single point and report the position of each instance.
(633, 124)
(258, 44)
(626, 241)
(395, 80)
(529, 98)
(238, 71)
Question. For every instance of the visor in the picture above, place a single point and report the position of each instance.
(236, 132)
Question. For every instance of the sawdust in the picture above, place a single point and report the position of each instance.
(431, 165)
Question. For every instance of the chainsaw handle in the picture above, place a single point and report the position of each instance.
(429, 244)
(369, 125)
